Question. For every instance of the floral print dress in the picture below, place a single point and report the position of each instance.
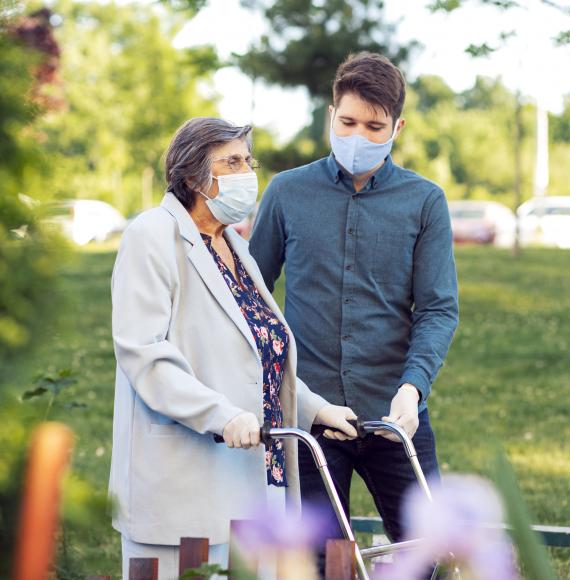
(272, 344)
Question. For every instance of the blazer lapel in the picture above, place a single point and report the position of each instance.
(202, 260)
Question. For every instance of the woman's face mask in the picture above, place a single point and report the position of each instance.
(236, 198)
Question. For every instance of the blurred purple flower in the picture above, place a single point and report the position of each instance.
(271, 527)
(464, 519)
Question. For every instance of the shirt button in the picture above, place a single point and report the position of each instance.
(346, 300)
(349, 267)
(344, 373)
(346, 337)
(350, 231)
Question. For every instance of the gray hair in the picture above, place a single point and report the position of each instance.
(188, 165)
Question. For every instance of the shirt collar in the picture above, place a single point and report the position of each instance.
(382, 174)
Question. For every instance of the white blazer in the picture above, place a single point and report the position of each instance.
(187, 363)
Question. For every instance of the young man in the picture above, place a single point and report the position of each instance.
(371, 290)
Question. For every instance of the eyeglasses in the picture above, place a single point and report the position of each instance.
(236, 162)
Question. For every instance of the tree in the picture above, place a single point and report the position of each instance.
(27, 49)
(484, 49)
(310, 39)
(561, 124)
(487, 94)
(431, 91)
(127, 90)
(307, 42)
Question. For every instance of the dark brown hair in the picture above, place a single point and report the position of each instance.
(188, 165)
(374, 79)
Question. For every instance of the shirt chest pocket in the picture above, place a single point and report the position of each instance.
(393, 259)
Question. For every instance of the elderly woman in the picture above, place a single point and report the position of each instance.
(202, 348)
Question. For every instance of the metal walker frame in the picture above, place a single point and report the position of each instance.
(363, 428)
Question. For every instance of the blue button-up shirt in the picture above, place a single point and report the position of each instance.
(370, 281)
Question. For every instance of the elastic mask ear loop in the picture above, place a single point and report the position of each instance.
(395, 128)
(202, 193)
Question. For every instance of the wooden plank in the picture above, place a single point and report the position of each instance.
(193, 553)
(143, 569)
(340, 563)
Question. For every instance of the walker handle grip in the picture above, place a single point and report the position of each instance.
(317, 430)
(264, 433)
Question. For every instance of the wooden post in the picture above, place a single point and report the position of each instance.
(143, 569)
(340, 562)
(193, 553)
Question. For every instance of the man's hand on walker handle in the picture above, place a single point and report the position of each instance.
(243, 431)
(403, 412)
(336, 417)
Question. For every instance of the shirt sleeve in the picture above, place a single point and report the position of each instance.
(436, 310)
(267, 242)
(154, 366)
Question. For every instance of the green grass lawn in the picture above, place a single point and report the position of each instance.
(507, 379)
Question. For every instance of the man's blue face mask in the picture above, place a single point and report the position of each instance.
(357, 154)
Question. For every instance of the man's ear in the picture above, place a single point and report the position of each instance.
(401, 125)
(331, 110)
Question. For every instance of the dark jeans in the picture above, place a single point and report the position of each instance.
(382, 464)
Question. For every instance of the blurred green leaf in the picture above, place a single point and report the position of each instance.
(74, 405)
(56, 383)
(562, 39)
(205, 571)
(532, 553)
(33, 393)
(444, 5)
(480, 50)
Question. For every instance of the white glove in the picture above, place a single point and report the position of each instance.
(403, 412)
(243, 431)
(336, 417)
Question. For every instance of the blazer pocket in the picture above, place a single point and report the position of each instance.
(168, 429)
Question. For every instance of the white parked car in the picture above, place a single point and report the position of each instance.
(482, 222)
(545, 221)
(85, 220)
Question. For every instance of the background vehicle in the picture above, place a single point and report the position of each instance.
(482, 222)
(85, 220)
(545, 221)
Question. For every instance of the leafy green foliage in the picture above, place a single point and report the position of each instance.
(127, 90)
(309, 40)
(53, 383)
(562, 38)
(451, 5)
(431, 91)
(478, 50)
(27, 254)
